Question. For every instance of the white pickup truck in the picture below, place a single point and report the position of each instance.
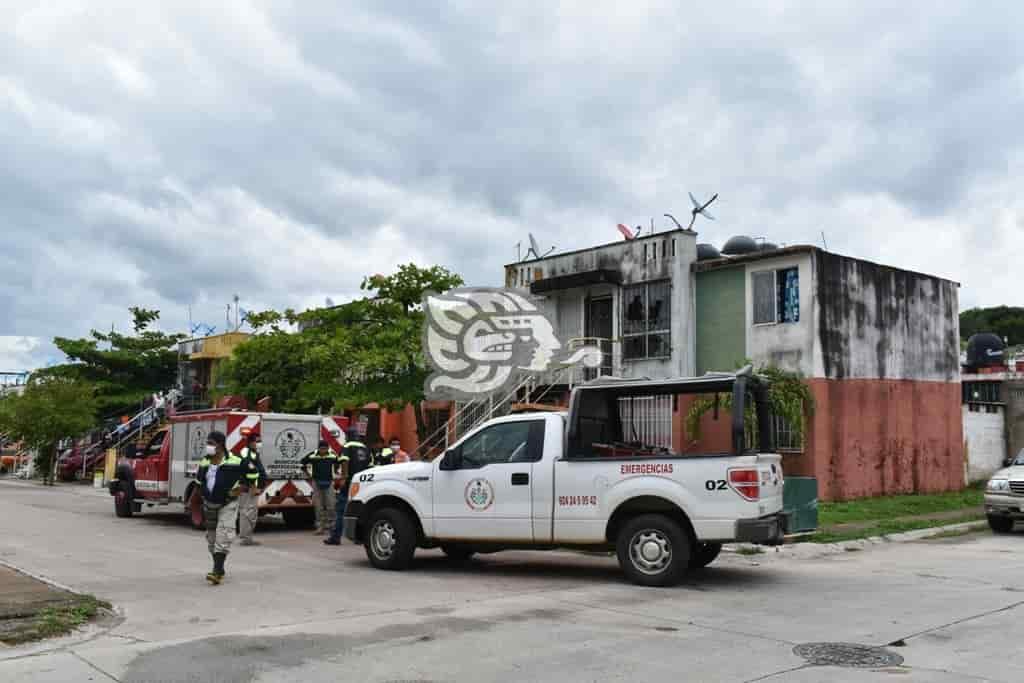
(582, 479)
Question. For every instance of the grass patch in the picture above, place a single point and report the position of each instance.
(53, 621)
(885, 527)
(750, 550)
(888, 507)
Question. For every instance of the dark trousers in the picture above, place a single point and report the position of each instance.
(339, 514)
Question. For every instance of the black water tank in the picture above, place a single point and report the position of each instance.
(739, 245)
(768, 246)
(706, 252)
(985, 350)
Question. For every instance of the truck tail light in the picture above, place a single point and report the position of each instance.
(353, 490)
(746, 482)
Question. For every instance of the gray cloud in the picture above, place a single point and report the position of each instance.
(173, 156)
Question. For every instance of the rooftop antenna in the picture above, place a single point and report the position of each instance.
(535, 248)
(519, 251)
(237, 324)
(699, 208)
(823, 242)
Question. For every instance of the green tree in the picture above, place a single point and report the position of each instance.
(367, 350)
(1005, 321)
(788, 394)
(50, 409)
(124, 369)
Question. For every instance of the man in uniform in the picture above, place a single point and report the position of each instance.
(256, 479)
(356, 457)
(221, 478)
(322, 467)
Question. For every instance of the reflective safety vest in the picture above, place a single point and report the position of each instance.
(358, 458)
(321, 468)
(253, 476)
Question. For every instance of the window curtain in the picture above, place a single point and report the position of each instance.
(791, 296)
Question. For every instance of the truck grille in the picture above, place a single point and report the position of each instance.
(1017, 487)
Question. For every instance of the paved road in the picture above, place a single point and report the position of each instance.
(294, 609)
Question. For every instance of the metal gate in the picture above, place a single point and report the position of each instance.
(647, 419)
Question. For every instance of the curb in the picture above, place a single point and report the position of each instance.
(808, 550)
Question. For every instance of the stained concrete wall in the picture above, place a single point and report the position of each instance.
(661, 256)
(880, 437)
(874, 321)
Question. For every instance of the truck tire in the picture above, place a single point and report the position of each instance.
(1000, 525)
(123, 505)
(302, 518)
(390, 539)
(457, 553)
(704, 554)
(653, 550)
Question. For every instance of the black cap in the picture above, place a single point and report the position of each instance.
(217, 437)
(322, 444)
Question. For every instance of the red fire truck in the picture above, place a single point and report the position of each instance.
(163, 471)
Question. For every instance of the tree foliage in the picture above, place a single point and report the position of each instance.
(50, 409)
(1005, 321)
(124, 369)
(788, 394)
(367, 350)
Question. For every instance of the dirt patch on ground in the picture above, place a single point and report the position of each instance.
(32, 610)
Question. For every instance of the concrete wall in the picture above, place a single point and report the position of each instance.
(984, 441)
(720, 325)
(1014, 396)
(789, 346)
(879, 322)
(880, 437)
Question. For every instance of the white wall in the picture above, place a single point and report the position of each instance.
(985, 436)
(789, 346)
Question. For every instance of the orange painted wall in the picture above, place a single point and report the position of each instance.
(871, 437)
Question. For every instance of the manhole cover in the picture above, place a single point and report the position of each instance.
(848, 655)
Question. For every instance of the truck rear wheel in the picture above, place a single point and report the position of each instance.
(302, 518)
(123, 506)
(390, 539)
(704, 554)
(653, 550)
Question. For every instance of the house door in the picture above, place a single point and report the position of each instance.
(599, 325)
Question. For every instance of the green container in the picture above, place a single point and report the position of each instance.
(800, 502)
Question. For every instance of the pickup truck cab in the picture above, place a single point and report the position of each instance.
(581, 479)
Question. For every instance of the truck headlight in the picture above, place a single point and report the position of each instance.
(998, 485)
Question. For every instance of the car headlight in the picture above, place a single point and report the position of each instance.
(998, 485)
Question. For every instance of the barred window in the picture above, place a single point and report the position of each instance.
(785, 437)
(647, 320)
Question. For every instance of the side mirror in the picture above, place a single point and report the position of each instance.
(451, 460)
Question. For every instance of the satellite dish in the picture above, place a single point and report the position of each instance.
(535, 248)
(701, 209)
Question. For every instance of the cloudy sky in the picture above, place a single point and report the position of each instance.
(172, 154)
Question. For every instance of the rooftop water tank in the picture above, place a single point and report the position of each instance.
(768, 246)
(706, 252)
(985, 350)
(739, 245)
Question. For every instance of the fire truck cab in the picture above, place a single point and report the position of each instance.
(163, 470)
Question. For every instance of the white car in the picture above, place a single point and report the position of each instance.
(1004, 496)
(576, 480)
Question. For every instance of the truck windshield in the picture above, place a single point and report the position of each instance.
(636, 419)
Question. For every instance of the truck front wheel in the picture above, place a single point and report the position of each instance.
(1000, 525)
(653, 550)
(390, 539)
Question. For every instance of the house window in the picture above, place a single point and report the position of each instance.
(646, 320)
(776, 296)
(981, 392)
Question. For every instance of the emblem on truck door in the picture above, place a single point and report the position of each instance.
(479, 494)
(481, 339)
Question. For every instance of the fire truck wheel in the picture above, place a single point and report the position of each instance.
(303, 518)
(123, 506)
(653, 550)
(391, 539)
(704, 554)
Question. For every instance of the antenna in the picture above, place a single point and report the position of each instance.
(823, 242)
(236, 299)
(699, 208)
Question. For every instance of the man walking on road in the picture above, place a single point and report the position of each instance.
(321, 465)
(355, 457)
(221, 478)
(255, 479)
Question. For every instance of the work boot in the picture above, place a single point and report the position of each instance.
(212, 575)
(218, 567)
(332, 541)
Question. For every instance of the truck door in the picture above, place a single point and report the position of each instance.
(490, 497)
